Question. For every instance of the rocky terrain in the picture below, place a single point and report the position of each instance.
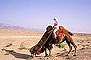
(14, 45)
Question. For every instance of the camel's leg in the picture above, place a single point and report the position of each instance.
(74, 47)
(49, 52)
(71, 41)
(46, 53)
(50, 49)
(70, 47)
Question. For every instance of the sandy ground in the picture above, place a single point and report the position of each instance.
(14, 45)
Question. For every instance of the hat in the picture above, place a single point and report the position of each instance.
(55, 18)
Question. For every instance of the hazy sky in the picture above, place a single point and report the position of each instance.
(75, 15)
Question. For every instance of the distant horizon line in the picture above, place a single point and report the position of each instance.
(41, 29)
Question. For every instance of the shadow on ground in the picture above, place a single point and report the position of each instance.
(17, 55)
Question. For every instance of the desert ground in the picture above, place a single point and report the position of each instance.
(14, 45)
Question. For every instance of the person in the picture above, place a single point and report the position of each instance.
(55, 21)
(60, 30)
(56, 25)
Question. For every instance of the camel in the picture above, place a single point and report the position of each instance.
(48, 39)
